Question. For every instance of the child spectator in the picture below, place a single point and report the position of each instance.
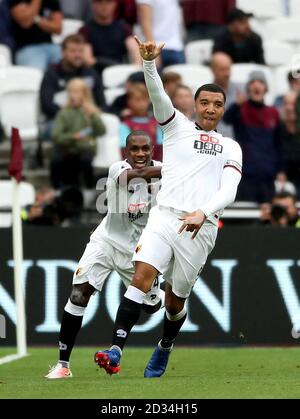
(139, 120)
(75, 131)
(171, 81)
(183, 100)
(119, 105)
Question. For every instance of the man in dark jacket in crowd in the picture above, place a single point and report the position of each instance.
(238, 40)
(53, 94)
(257, 129)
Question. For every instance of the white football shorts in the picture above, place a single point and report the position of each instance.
(179, 258)
(100, 259)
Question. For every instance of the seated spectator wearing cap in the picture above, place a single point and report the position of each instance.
(119, 105)
(221, 67)
(34, 23)
(238, 40)
(6, 33)
(205, 19)
(258, 130)
(108, 41)
(53, 95)
(140, 119)
(75, 131)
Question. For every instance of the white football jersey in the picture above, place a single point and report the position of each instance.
(128, 209)
(193, 164)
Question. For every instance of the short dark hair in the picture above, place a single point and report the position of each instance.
(214, 88)
(73, 39)
(284, 195)
(137, 133)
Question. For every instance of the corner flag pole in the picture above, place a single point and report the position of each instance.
(15, 171)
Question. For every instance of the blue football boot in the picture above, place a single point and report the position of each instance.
(158, 362)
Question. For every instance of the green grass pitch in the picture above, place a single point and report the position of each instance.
(193, 373)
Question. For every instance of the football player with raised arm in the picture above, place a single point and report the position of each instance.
(130, 194)
(200, 176)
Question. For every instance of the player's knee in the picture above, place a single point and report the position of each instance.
(80, 295)
(173, 307)
(142, 282)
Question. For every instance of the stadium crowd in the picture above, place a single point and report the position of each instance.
(75, 96)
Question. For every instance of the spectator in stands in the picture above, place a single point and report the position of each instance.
(171, 81)
(43, 197)
(161, 22)
(108, 41)
(238, 40)
(206, 19)
(294, 86)
(221, 67)
(183, 100)
(63, 210)
(282, 184)
(257, 128)
(75, 131)
(34, 22)
(6, 34)
(291, 138)
(288, 203)
(53, 95)
(76, 9)
(140, 120)
(119, 106)
(126, 10)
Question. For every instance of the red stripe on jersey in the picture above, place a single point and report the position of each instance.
(233, 167)
(168, 121)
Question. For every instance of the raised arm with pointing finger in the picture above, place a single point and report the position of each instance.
(162, 105)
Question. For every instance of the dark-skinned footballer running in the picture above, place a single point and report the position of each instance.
(130, 194)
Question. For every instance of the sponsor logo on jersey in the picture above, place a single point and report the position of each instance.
(209, 145)
(136, 211)
(135, 208)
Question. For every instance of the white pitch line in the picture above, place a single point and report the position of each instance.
(11, 358)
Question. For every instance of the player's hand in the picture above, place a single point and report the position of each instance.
(149, 50)
(193, 222)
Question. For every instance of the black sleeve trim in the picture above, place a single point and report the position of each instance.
(168, 121)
